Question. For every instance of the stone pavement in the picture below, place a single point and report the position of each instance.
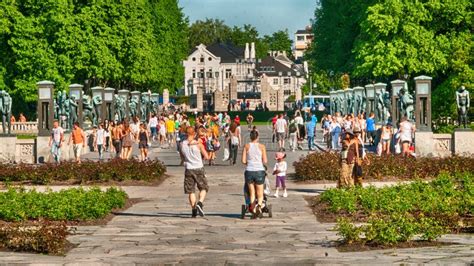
(159, 230)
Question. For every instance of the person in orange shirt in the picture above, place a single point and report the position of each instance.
(78, 138)
(12, 119)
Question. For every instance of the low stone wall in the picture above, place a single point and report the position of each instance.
(428, 144)
(13, 150)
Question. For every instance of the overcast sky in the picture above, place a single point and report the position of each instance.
(266, 15)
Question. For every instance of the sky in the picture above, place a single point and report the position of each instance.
(267, 16)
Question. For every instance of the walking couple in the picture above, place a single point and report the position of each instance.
(193, 152)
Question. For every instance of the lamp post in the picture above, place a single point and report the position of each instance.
(45, 107)
(423, 103)
(370, 94)
(75, 93)
(109, 103)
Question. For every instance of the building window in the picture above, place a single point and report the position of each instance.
(194, 73)
(210, 59)
(228, 73)
(201, 73)
(275, 81)
(287, 92)
(209, 74)
(194, 58)
(300, 38)
(202, 59)
(286, 81)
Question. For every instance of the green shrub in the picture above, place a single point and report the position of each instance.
(75, 204)
(445, 200)
(325, 166)
(38, 236)
(390, 230)
(348, 231)
(86, 173)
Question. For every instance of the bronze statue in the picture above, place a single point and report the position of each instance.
(6, 111)
(463, 104)
(72, 111)
(97, 102)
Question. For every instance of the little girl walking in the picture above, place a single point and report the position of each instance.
(279, 170)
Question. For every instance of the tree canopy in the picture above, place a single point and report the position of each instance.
(129, 44)
(209, 31)
(386, 39)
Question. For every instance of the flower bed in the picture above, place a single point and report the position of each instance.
(86, 173)
(325, 166)
(37, 222)
(399, 213)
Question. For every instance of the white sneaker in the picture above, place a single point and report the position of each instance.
(285, 194)
(276, 195)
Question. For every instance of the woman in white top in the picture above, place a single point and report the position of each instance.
(254, 157)
(406, 132)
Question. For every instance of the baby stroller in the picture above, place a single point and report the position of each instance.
(267, 207)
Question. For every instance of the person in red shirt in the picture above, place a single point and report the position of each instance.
(237, 119)
(274, 120)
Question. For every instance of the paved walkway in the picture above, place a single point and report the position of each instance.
(160, 230)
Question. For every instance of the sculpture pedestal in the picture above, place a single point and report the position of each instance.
(464, 142)
(428, 144)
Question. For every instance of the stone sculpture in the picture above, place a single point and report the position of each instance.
(88, 108)
(6, 111)
(144, 108)
(406, 104)
(133, 105)
(97, 102)
(72, 111)
(463, 103)
(119, 106)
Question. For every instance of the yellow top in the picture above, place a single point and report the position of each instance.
(169, 126)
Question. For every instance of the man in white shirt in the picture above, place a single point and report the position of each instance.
(55, 141)
(281, 127)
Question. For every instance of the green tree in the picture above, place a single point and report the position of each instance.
(208, 31)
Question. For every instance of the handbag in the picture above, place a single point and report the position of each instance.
(358, 170)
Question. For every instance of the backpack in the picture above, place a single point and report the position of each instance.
(292, 128)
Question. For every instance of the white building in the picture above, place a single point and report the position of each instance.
(303, 39)
(211, 67)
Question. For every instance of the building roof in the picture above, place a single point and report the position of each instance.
(226, 51)
(272, 67)
(305, 31)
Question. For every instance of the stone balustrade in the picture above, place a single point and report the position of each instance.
(23, 128)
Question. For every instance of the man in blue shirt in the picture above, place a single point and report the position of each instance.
(310, 132)
(371, 132)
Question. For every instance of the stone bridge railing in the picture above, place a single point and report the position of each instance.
(23, 128)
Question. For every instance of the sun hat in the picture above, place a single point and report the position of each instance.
(280, 155)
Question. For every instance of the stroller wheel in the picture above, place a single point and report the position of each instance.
(270, 214)
(244, 211)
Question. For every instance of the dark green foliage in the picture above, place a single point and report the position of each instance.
(121, 44)
(37, 236)
(381, 40)
(85, 173)
(74, 204)
(325, 166)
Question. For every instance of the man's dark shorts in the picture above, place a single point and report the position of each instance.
(193, 177)
(254, 177)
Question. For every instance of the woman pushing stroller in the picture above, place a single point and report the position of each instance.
(254, 156)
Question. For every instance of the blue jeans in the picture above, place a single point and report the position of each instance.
(335, 140)
(56, 151)
(310, 142)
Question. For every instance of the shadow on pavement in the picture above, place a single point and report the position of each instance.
(176, 215)
(307, 190)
